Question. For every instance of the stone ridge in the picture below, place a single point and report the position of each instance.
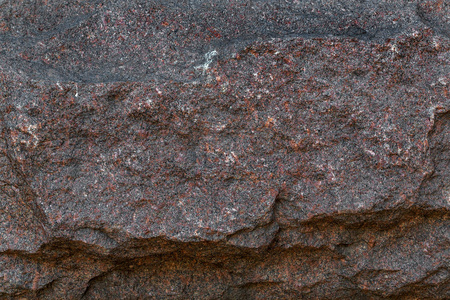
(224, 149)
(110, 41)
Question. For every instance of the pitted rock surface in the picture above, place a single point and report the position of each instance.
(224, 149)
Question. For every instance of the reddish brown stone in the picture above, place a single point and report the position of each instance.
(224, 150)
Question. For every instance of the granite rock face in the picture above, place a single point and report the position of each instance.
(224, 149)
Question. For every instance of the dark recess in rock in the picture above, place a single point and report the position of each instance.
(264, 149)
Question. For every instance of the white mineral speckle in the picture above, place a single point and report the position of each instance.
(209, 58)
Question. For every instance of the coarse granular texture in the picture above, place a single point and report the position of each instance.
(195, 149)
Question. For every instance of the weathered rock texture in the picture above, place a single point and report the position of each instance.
(224, 149)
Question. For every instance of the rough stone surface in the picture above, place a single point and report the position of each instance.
(224, 149)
